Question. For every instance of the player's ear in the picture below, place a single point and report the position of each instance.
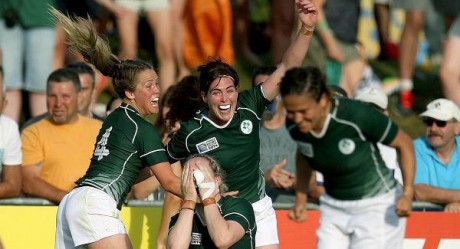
(129, 94)
(203, 96)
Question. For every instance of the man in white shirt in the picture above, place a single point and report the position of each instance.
(10, 152)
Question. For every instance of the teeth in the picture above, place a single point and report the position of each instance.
(154, 101)
(224, 107)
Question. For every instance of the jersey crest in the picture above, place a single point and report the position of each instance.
(207, 145)
(196, 239)
(346, 146)
(246, 126)
(101, 150)
(306, 149)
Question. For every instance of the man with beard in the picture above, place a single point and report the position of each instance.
(57, 149)
(438, 156)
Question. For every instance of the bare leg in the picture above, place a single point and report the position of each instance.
(177, 16)
(119, 241)
(351, 75)
(282, 26)
(409, 42)
(160, 22)
(408, 48)
(127, 32)
(241, 31)
(450, 70)
(14, 104)
(37, 103)
(59, 48)
(388, 49)
(382, 18)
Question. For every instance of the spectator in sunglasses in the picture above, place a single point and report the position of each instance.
(438, 156)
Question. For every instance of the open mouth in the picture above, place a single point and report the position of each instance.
(224, 107)
(155, 101)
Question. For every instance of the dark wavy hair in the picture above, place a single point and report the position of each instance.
(183, 99)
(213, 69)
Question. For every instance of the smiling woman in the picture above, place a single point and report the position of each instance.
(126, 144)
(338, 137)
(228, 127)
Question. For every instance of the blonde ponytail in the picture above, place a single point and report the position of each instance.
(83, 38)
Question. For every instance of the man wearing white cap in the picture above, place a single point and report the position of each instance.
(379, 100)
(438, 156)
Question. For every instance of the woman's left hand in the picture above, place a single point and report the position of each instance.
(404, 206)
(308, 13)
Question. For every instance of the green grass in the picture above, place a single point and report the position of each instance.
(427, 87)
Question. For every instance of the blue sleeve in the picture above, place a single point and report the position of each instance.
(421, 167)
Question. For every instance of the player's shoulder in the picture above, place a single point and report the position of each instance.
(237, 202)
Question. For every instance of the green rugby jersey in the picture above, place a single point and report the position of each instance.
(346, 152)
(126, 143)
(231, 208)
(234, 145)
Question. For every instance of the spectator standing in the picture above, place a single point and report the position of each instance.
(228, 128)
(10, 151)
(438, 156)
(450, 67)
(282, 23)
(337, 137)
(241, 26)
(127, 14)
(57, 149)
(414, 21)
(338, 54)
(415, 13)
(216, 222)
(207, 32)
(126, 144)
(26, 38)
(382, 16)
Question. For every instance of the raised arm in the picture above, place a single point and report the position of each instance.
(297, 51)
(180, 232)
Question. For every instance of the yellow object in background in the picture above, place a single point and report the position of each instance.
(33, 227)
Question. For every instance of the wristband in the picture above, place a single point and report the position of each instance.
(188, 204)
(306, 30)
(209, 201)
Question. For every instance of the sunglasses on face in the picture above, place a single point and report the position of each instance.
(430, 121)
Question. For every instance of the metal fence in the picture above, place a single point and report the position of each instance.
(156, 200)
